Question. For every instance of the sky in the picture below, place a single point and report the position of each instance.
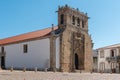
(22, 16)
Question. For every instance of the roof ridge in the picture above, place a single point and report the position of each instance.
(27, 36)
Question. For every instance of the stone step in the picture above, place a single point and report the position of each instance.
(80, 71)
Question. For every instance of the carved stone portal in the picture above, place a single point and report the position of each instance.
(78, 51)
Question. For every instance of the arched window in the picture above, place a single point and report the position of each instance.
(83, 25)
(78, 22)
(73, 20)
(62, 19)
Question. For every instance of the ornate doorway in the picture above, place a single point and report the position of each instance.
(78, 51)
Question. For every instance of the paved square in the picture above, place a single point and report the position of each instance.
(31, 75)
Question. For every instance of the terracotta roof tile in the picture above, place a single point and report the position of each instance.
(27, 36)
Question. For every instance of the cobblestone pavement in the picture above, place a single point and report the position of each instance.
(31, 75)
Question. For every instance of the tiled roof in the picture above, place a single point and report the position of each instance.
(27, 36)
(110, 46)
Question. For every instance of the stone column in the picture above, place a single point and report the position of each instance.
(72, 53)
(53, 53)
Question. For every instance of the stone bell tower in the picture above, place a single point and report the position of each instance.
(75, 42)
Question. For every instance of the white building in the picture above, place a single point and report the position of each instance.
(28, 50)
(109, 58)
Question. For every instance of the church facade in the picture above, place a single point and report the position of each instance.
(66, 47)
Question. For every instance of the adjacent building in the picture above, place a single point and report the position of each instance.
(95, 61)
(66, 47)
(109, 58)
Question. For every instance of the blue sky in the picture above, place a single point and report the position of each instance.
(22, 16)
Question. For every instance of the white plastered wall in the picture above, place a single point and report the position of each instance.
(38, 54)
(58, 53)
(107, 64)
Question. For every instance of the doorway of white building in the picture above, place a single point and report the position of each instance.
(3, 62)
(102, 67)
(113, 67)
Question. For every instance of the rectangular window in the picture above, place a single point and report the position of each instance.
(2, 49)
(101, 53)
(119, 50)
(113, 53)
(25, 48)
